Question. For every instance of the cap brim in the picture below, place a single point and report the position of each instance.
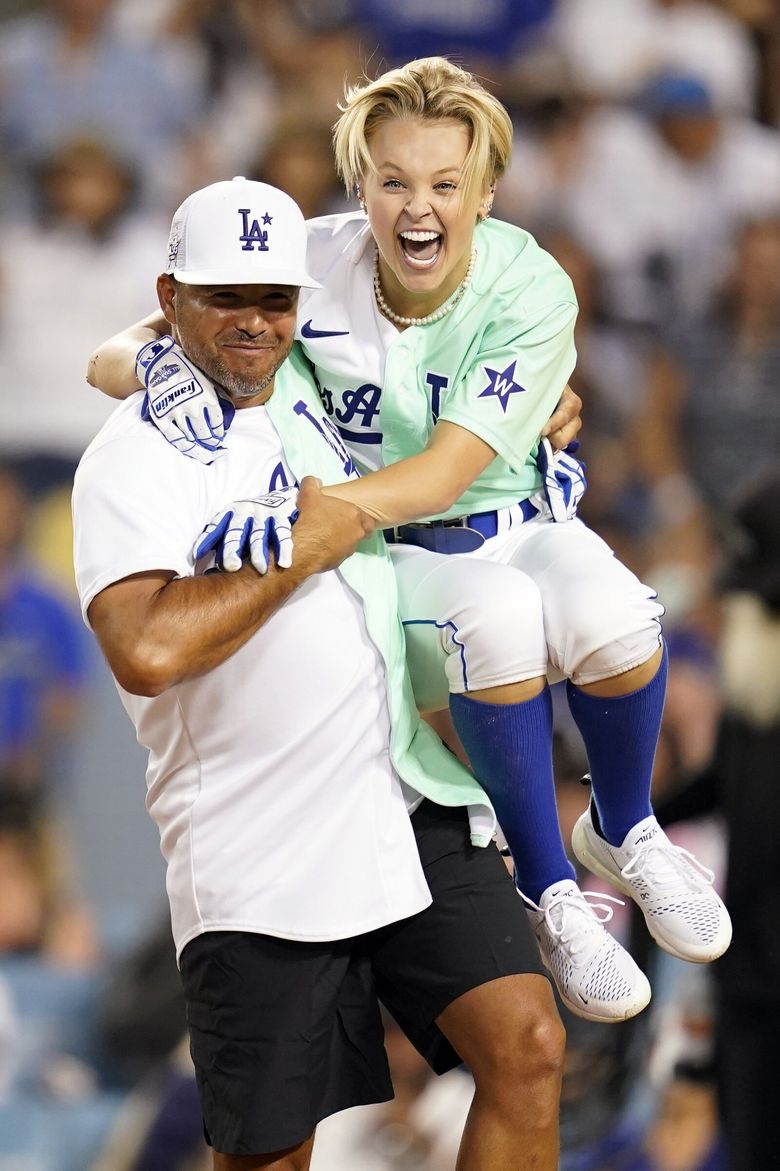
(245, 276)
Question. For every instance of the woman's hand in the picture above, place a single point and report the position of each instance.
(564, 424)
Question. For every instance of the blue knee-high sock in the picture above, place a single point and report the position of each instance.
(621, 734)
(510, 749)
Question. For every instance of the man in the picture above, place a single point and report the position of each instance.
(286, 751)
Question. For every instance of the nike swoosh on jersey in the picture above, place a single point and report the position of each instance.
(308, 331)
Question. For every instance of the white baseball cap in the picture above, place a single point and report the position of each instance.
(239, 232)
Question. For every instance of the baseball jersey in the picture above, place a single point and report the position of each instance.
(496, 365)
(275, 779)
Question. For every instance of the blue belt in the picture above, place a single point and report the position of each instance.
(462, 534)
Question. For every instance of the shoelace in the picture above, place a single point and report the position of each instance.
(665, 865)
(570, 902)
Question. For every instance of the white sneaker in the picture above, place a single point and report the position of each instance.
(669, 885)
(596, 977)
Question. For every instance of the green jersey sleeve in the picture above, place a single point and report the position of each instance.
(515, 380)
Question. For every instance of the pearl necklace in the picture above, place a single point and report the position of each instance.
(437, 314)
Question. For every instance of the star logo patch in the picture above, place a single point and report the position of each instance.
(501, 383)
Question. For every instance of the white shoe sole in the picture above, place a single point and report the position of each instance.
(581, 847)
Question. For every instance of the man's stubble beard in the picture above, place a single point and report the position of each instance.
(233, 384)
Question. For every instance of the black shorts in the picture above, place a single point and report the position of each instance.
(284, 1033)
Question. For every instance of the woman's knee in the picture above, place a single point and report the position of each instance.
(615, 658)
(501, 627)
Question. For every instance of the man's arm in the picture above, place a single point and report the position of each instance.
(157, 630)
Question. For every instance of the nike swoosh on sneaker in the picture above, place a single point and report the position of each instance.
(308, 331)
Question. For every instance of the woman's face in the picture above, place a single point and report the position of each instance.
(422, 224)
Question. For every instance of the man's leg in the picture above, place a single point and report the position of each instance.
(293, 1159)
(465, 982)
(282, 1034)
(509, 1034)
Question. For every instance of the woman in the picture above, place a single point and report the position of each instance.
(441, 342)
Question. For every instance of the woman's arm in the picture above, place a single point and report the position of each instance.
(428, 484)
(422, 485)
(111, 367)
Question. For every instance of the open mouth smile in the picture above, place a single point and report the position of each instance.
(420, 249)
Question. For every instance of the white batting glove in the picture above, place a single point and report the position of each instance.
(252, 529)
(563, 483)
(181, 401)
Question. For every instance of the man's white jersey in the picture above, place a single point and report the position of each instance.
(344, 334)
(269, 777)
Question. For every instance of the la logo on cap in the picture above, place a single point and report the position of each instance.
(254, 237)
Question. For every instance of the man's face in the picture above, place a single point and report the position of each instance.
(238, 335)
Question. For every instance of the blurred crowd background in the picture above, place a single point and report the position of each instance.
(647, 160)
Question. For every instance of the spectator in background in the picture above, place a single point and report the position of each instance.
(608, 47)
(271, 66)
(67, 71)
(588, 168)
(308, 60)
(49, 972)
(59, 292)
(762, 19)
(210, 39)
(714, 379)
(299, 160)
(715, 171)
(741, 782)
(700, 37)
(610, 376)
(658, 191)
(486, 34)
(42, 657)
(613, 48)
(40, 910)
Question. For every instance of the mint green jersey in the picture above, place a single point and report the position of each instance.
(496, 365)
(312, 447)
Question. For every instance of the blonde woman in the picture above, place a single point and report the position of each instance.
(441, 341)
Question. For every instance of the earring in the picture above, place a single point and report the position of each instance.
(360, 199)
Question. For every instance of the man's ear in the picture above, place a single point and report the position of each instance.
(166, 295)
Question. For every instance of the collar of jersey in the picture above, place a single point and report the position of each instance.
(360, 243)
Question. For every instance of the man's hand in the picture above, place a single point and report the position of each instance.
(181, 401)
(157, 629)
(564, 424)
(252, 529)
(328, 530)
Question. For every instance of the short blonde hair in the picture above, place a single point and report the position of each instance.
(431, 88)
